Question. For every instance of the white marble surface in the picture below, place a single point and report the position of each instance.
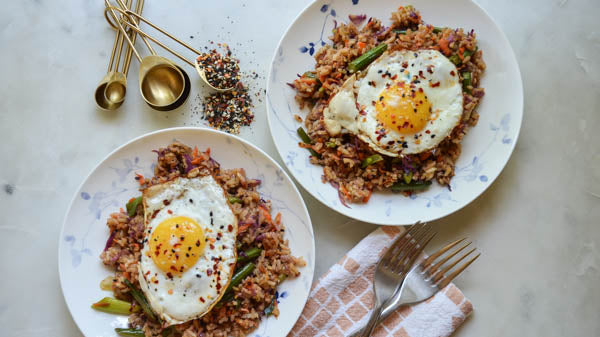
(538, 225)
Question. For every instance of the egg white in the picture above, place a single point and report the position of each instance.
(203, 200)
(425, 69)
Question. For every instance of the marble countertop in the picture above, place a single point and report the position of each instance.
(538, 225)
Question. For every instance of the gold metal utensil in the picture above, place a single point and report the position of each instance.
(116, 88)
(195, 64)
(99, 95)
(161, 82)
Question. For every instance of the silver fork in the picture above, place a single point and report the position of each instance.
(427, 278)
(394, 265)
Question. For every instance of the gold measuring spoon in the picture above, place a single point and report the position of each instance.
(116, 88)
(195, 64)
(99, 95)
(161, 82)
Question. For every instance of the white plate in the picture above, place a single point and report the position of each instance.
(112, 183)
(486, 148)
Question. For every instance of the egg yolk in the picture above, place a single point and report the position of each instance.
(403, 108)
(176, 244)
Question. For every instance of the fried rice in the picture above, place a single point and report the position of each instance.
(341, 156)
(254, 295)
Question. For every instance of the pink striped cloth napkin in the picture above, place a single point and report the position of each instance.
(340, 301)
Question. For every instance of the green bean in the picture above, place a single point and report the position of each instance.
(141, 299)
(132, 206)
(400, 31)
(365, 59)
(130, 332)
(114, 306)
(467, 79)
(240, 275)
(304, 136)
(408, 177)
(371, 160)
(437, 29)
(248, 255)
(234, 200)
(454, 59)
(306, 139)
(401, 186)
(331, 145)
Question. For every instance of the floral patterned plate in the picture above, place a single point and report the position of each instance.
(486, 148)
(112, 183)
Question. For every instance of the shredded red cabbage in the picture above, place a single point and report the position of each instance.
(188, 163)
(110, 240)
(340, 194)
(358, 19)
(291, 85)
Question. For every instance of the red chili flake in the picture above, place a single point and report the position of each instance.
(212, 246)
(433, 85)
(452, 72)
(427, 131)
(154, 214)
(169, 211)
(166, 202)
(209, 272)
(230, 228)
(198, 243)
(394, 77)
(421, 74)
(202, 299)
(429, 69)
(169, 275)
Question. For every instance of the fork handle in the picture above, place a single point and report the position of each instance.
(373, 320)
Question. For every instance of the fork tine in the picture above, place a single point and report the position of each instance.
(446, 280)
(416, 252)
(408, 246)
(433, 269)
(400, 243)
(437, 254)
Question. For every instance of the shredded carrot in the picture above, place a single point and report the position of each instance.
(195, 153)
(266, 214)
(141, 179)
(443, 43)
(461, 51)
(345, 192)
(307, 80)
(278, 218)
(197, 161)
(424, 155)
(243, 228)
(132, 199)
(126, 275)
(322, 78)
(207, 152)
(361, 45)
(366, 199)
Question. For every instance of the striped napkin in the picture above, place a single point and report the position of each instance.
(340, 301)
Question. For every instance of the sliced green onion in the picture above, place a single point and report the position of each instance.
(141, 299)
(249, 254)
(454, 59)
(401, 186)
(115, 306)
(400, 31)
(467, 80)
(132, 206)
(269, 310)
(371, 160)
(310, 74)
(469, 52)
(234, 200)
(130, 332)
(365, 59)
(408, 177)
(331, 145)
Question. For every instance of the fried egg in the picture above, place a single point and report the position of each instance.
(189, 254)
(406, 102)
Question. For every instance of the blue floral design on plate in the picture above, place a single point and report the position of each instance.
(310, 47)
